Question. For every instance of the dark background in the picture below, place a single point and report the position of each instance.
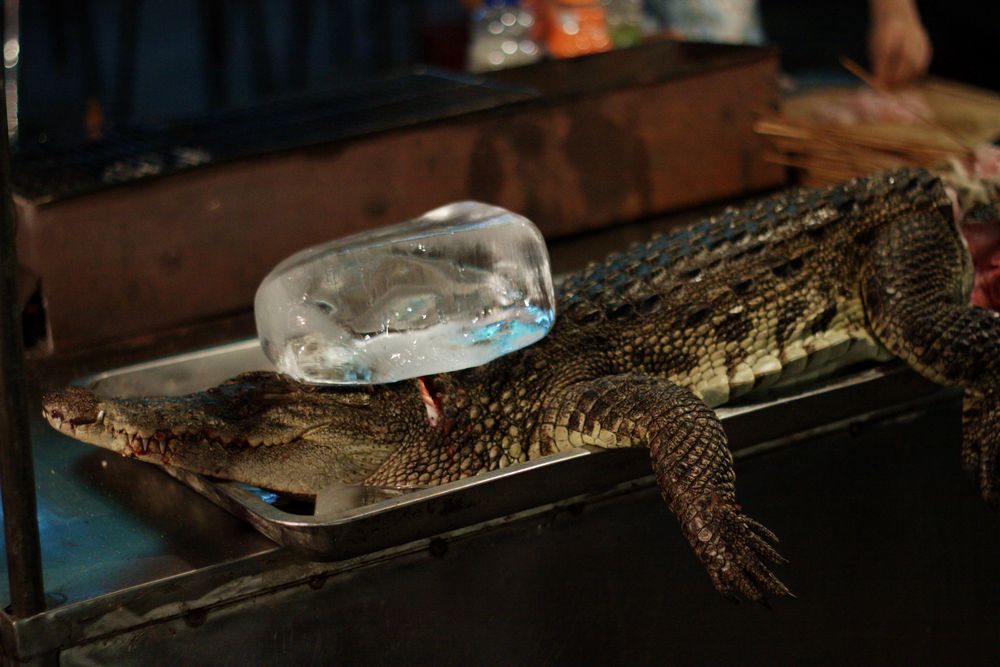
(149, 61)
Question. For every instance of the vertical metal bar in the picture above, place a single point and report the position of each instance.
(17, 473)
(11, 57)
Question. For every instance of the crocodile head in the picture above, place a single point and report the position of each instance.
(259, 428)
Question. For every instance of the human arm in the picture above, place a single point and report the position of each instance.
(898, 45)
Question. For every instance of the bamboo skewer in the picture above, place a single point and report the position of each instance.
(826, 152)
(873, 83)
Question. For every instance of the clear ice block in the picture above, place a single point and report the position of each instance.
(455, 288)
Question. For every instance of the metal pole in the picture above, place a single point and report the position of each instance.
(17, 473)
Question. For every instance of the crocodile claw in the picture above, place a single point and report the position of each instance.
(733, 547)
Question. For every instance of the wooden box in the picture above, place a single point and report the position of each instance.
(574, 145)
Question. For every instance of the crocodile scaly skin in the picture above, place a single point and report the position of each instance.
(783, 290)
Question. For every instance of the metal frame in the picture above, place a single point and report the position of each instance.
(17, 474)
(17, 470)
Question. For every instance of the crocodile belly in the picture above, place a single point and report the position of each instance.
(771, 361)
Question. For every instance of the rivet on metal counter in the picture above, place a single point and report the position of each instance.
(17, 476)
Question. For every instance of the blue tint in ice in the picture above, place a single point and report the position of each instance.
(508, 335)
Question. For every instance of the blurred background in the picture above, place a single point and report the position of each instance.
(170, 153)
(83, 66)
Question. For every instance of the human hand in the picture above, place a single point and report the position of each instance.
(898, 45)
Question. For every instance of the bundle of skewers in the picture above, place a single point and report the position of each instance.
(833, 135)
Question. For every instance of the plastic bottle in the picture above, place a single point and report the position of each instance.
(501, 36)
(576, 27)
(624, 21)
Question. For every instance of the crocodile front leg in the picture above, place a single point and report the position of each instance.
(916, 295)
(692, 462)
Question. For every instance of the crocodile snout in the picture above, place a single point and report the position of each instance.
(71, 408)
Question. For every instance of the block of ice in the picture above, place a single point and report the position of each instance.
(455, 288)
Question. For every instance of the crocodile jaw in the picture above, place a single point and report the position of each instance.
(80, 414)
(124, 429)
(258, 429)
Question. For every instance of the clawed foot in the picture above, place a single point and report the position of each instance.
(981, 444)
(733, 548)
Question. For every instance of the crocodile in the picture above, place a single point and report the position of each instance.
(787, 288)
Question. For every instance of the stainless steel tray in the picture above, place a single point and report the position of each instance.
(344, 525)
